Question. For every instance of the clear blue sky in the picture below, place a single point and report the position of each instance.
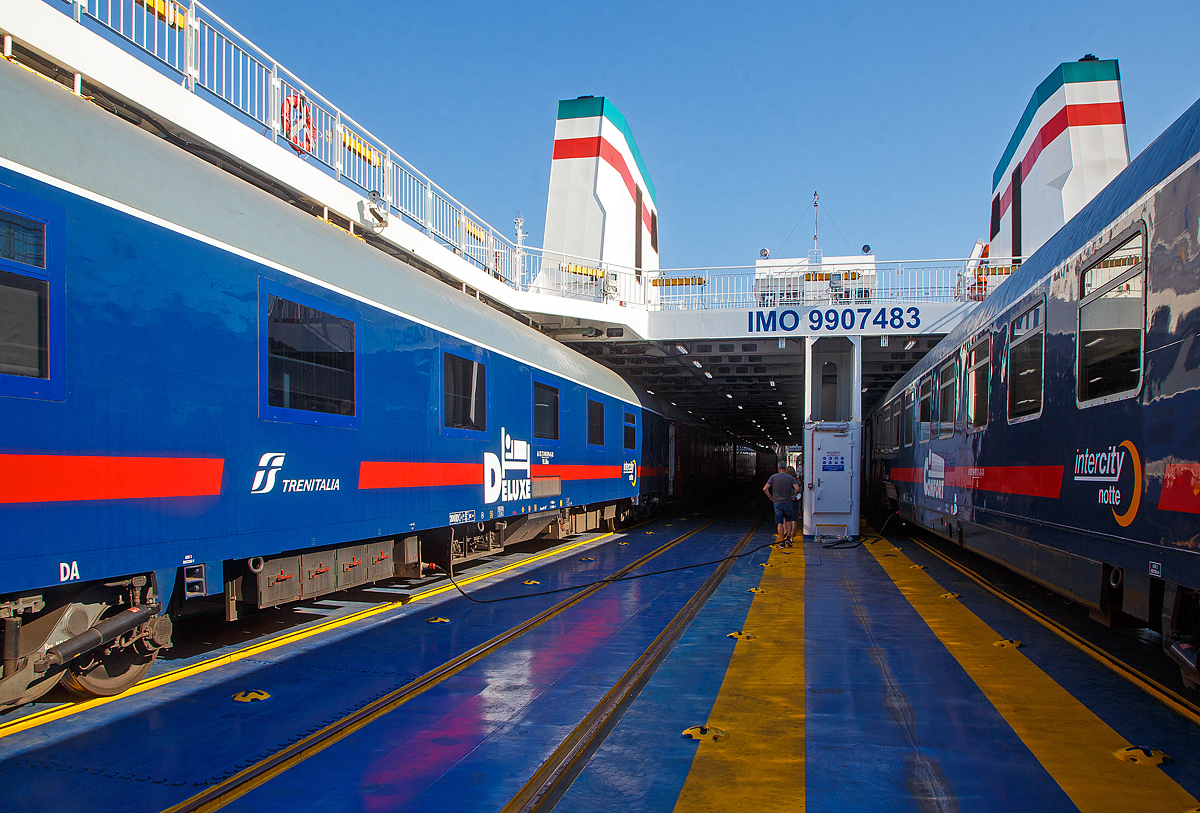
(897, 113)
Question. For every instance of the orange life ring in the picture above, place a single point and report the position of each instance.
(296, 122)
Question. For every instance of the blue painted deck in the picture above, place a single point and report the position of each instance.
(890, 719)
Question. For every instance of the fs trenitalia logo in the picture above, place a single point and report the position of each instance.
(268, 466)
(497, 485)
(271, 463)
(1106, 467)
(630, 469)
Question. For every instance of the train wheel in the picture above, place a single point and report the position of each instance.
(108, 672)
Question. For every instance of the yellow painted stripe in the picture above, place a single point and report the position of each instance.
(1073, 744)
(760, 767)
(167, 678)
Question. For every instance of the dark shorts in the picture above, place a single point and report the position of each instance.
(785, 512)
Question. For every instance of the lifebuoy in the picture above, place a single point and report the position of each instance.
(296, 122)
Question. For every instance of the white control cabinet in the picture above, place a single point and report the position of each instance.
(831, 478)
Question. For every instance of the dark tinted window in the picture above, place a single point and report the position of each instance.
(24, 347)
(595, 423)
(907, 418)
(630, 430)
(310, 359)
(1025, 364)
(22, 240)
(465, 406)
(545, 411)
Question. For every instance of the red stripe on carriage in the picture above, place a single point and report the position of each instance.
(1028, 481)
(394, 474)
(576, 472)
(26, 478)
(1181, 488)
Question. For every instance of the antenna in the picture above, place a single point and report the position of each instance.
(815, 197)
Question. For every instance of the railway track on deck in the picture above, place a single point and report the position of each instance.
(551, 780)
(1170, 698)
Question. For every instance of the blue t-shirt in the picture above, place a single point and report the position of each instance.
(782, 489)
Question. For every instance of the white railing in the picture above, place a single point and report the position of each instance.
(960, 280)
(188, 41)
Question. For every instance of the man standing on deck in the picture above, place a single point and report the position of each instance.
(782, 489)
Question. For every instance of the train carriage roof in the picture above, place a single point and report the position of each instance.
(1171, 150)
(48, 129)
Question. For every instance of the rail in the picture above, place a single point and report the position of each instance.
(188, 41)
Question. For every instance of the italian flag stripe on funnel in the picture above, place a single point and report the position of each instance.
(599, 107)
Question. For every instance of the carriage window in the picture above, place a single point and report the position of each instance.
(926, 407)
(978, 378)
(595, 423)
(1025, 356)
(1112, 323)
(545, 411)
(310, 359)
(907, 418)
(24, 312)
(896, 410)
(22, 239)
(1114, 264)
(885, 425)
(630, 430)
(465, 405)
(947, 398)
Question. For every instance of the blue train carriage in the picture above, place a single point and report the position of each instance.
(210, 399)
(1057, 429)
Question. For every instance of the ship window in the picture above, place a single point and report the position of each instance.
(545, 411)
(1025, 356)
(310, 358)
(1112, 323)
(465, 384)
(926, 408)
(595, 423)
(979, 360)
(947, 398)
(907, 418)
(630, 430)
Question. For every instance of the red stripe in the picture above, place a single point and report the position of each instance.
(1086, 115)
(1029, 481)
(598, 147)
(1181, 488)
(394, 474)
(1072, 115)
(1053, 129)
(646, 216)
(577, 472)
(577, 147)
(654, 471)
(61, 478)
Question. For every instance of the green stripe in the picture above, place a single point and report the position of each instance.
(1104, 70)
(591, 106)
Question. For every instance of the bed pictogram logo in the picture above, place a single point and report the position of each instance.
(513, 458)
(934, 481)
